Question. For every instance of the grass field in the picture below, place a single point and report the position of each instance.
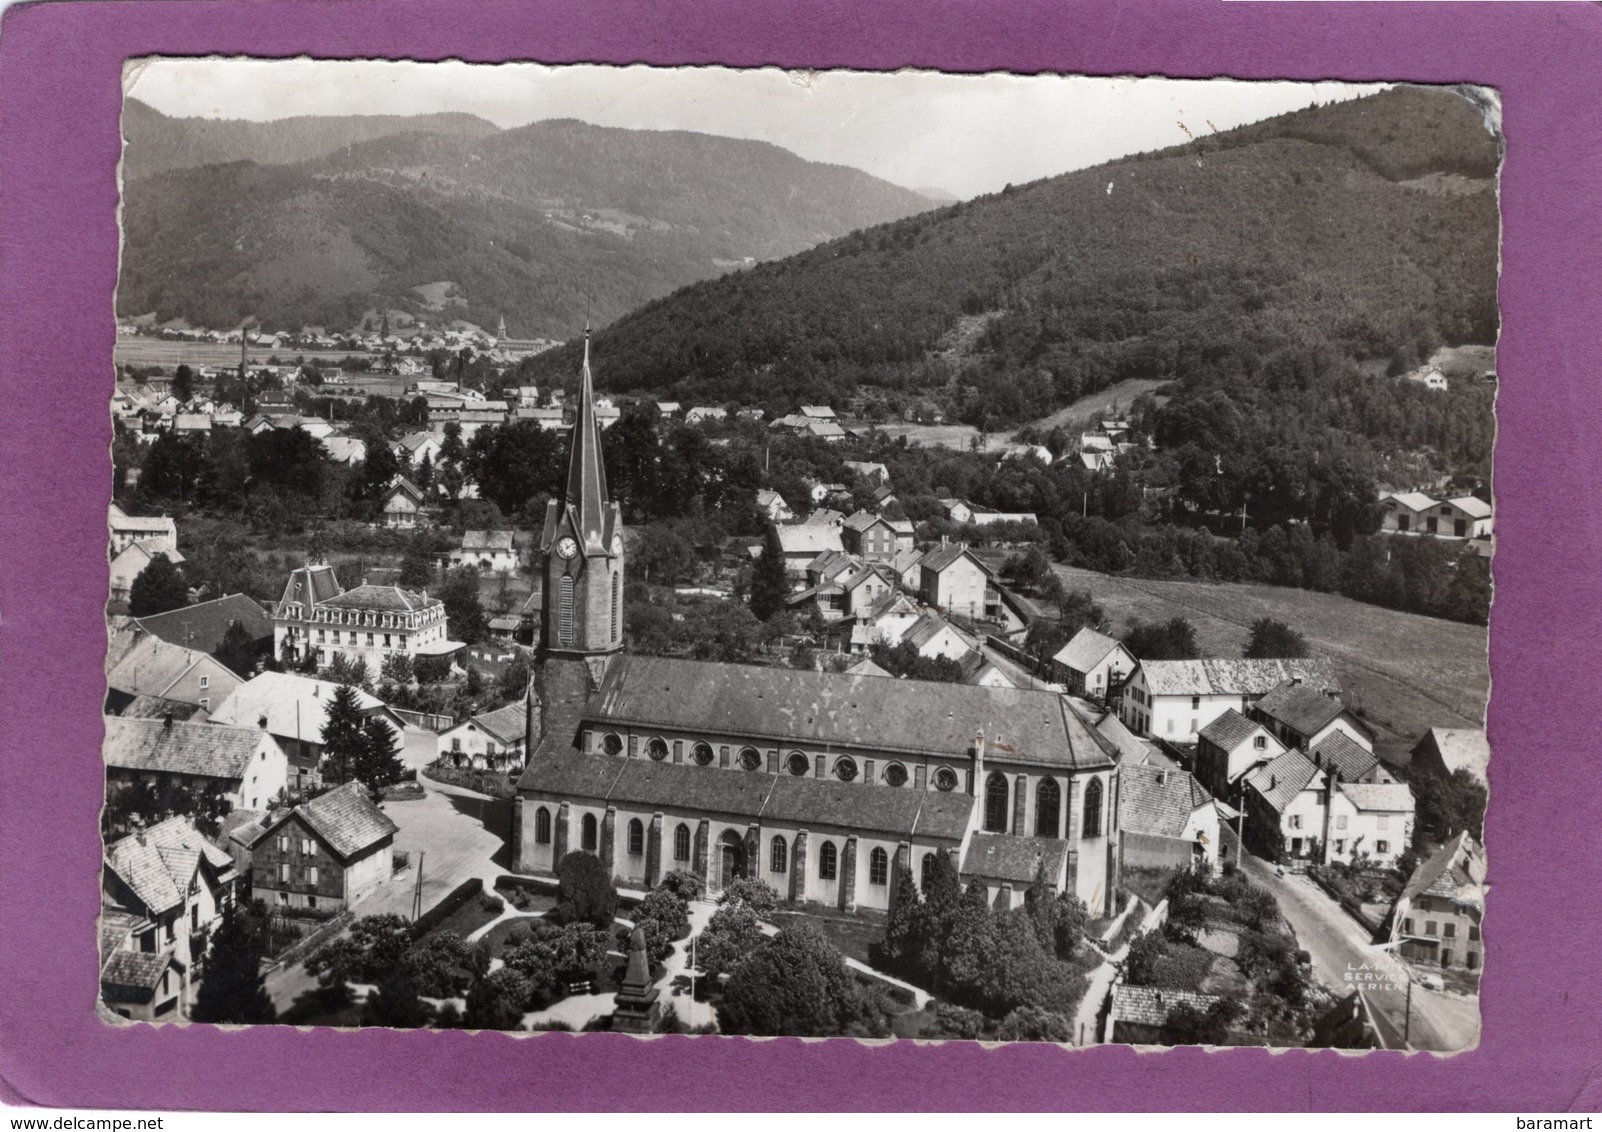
(156, 352)
(959, 437)
(1405, 673)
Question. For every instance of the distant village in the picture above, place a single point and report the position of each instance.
(1218, 828)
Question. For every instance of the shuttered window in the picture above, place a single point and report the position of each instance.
(564, 611)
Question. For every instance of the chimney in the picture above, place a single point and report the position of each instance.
(978, 761)
(1162, 776)
(166, 722)
(261, 721)
(1295, 681)
(1273, 781)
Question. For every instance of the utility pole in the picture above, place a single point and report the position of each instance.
(1407, 1018)
(417, 891)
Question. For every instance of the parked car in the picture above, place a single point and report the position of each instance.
(1431, 981)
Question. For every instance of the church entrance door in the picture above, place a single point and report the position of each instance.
(730, 860)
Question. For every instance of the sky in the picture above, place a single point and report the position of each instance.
(964, 134)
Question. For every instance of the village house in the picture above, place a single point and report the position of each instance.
(164, 891)
(953, 580)
(1446, 750)
(415, 447)
(978, 670)
(868, 470)
(772, 504)
(841, 587)
(870, 537)
(1467, 516)
(127, 565)
(704, 413)
(327, 853)
(345, 450)
(1174, 699)
(1405, 511)
(293, 709)
(128, 529)
(803, 542)
(488, 551)
(1300, 809)
(956, 510)
(244, 766)
(403, 505)
(1093, 664)
(488, 741)
(885, 498)
(1229, 747)
(204, 625)
(549, 419)
(1302, 717)
(1437, 917)
(316, 618)
(151, 667)
(1168, 820)
(1028, 452)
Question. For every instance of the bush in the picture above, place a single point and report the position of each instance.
(1032, 1024)
(953, 1021)
(455, 900)
(683, 884)
(727, 940)
(754, 894)
(664, 918)
(444, 965)
(797, 984)
(584, 892)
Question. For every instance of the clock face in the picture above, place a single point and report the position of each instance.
(617, 546)
(567, 548)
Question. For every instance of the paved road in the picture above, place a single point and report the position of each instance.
(1344, 958)
(461, 834)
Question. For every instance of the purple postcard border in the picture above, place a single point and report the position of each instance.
(59, 99)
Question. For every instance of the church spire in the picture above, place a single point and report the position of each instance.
(586, 492)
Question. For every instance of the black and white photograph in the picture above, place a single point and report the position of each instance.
(830, 554)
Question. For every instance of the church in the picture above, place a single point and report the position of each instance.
(822, 784)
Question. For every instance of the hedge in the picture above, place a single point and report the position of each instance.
(457, 898)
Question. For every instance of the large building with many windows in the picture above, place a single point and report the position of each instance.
(317, 618)
(821, 784)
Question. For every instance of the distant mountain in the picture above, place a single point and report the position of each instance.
(939, 196)
(157, 143)
(537, 223)
(1357, 230)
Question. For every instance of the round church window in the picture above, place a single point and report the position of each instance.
(751, 759)
(611, 743)
(657, 749)
(702, 753)
(798, 764)
(945, 779)
(845, 769)
(895, 775)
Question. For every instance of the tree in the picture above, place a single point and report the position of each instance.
(684, 884)
(584, 893)
(796, 985)
(237, 652)
(1274, 640)
(344, 735)
(1174, 639)
(183, 383)
(343, 669)
(395, 1004)
(233, 990)
(379, 764)
(904, 941)
(727, 940)
(375, 946)
(444, 965)
(417, 566)
(398, 668)
(755, 894)
(159, 587)
(770, 584)
(1033, 1024)
(498, 1001)
(664, 918)
(464, 615)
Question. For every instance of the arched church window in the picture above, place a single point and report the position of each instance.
(636, 837)
(681, 843)
(828, 861)
(589, 836)
(778, 855)
(895, 775)
(612, 743)
(750, 758)
(1048, 808)
(702, 754)
(1092, 825)
(878, 867)
(845, 769)
(798, 764)
(564, 610)
(542, 826)
(657, 748)
(617, 606)
(945, 779)
(996, 802)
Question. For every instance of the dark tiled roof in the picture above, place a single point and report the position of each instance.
(999, 856)
(862, 520)
(832, 709)
(380, 597)
(1340, 751)
(942, 557)
(153, 666)
(1453, 869)
(1284, 778)
(644, 782)
(159, 881)
(344, 818)
(154, 707)
(206, 750)
(1229, 730)
(505, 724)
(311, 584)
(1150, 1006)
(1300, 708)
(1156, 801)
(1087, 649)
(202, 626)
(132, 971)
(1460, 748)
(1220, 677)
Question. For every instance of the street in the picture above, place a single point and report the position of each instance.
(1345, 958)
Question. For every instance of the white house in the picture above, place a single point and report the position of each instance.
(131, 561)
(1467, 516)
(1229, 747)
(486, 550)
(492, 740)
(1092, 663)
(127, 529)
(1297, 810)
(1168, 819)
(1302, 717)
(772, 505)
(1406, 511)
(1175, 699)
(244, 765)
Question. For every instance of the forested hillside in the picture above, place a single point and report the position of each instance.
(542, 224)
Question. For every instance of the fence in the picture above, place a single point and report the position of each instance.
(428, 721)
(1033, 665)
(311, 943)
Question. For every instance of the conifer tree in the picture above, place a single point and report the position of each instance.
(159, 587)
(379, 764)
(233, 989)
(344, 735)
(769, 583)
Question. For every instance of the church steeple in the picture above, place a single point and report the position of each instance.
(583, 545)
(586, 492)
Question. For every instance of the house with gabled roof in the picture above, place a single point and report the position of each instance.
(326, 853)
(1174, 699)
(1169, 820)
(132, 561)
(370, 623)
(164, 891)
(486, 550)
(772, 504)
(1436, 919)
(1446, 750)
(204, 625)
(293, 709)
(1092, 663)
(152, 667)
(1300, 716)
(803, 542)
(403, 504)
(869, 536)
(244, 766)
(1406, 511)
(952, 579)
(126, 529)
(1230, 746)
(869, 470)
(1301, 808)
(491, 740)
